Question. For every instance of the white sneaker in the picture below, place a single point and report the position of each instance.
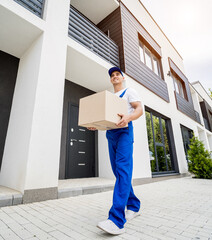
(129, 214)
(110, 227)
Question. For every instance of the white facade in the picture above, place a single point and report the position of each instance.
(31, 157)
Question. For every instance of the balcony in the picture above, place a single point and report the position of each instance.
(34, 6)
(87, 34)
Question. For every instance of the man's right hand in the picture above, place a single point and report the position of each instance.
(91, 128)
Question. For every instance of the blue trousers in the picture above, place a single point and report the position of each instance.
(120, 143)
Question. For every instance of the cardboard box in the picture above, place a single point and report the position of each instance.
(100, 110)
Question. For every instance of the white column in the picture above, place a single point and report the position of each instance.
(32, 148)
(209, 136)
(181, 157)
(204, 139)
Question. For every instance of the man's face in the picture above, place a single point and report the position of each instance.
(116, 78)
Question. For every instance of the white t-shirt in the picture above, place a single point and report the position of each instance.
(131, 96)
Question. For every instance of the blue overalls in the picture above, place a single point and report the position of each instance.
(120, 143)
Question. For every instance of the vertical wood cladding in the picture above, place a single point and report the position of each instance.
(124, 29)
(133, 65)
(207, 113)
(185, 106)
(112, 25)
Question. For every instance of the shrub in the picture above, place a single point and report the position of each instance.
(199, 159)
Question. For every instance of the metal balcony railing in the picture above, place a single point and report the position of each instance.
(34, 6)
(86, 33)
(197, 117)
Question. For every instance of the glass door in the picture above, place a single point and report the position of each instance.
(159, 150)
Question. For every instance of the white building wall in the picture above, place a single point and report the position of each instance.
(141, 153)
(152, 28)
(209, 137)
(200, 90)
(33, 140)
(34, 133)
(14, 162)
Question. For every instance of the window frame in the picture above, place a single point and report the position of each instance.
(145, 49)
(181, 88)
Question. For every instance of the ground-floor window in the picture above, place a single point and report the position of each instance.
(187, 134)
(159, 143)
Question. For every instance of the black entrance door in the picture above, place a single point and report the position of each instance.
(80, 157)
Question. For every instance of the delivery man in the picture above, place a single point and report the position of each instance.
(120, 143)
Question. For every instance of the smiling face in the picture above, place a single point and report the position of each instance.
(116, 78)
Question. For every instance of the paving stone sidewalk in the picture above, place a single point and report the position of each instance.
(178, 208)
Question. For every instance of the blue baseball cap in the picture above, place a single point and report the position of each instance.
(113, 69)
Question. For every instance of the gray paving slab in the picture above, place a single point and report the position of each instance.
(178, 208)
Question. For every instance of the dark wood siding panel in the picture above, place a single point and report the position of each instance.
(177, 70)
(174, 68)
(113, 23)
(130, 21)
(209, 114)
(185, 106)
(147, 74)
(206, 109)
(133, 65)
(188, 92)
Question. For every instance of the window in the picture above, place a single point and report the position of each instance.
(175, 85)
(107, 33)
(179, 86)
(156, 66)
(187, 134)
(158, 131)
(141, 52)
(149, 59)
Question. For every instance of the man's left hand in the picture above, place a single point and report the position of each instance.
(123, 121)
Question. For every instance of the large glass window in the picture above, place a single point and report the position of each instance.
(151, 143)
(156, 66)
(166, 145)
(141, 52)
(157, 132)
(179, 87)
(149, 59)
(159, 146)
(187, 134)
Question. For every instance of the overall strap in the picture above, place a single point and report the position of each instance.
(123, 93)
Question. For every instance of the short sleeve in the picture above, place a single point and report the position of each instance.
(133, 95)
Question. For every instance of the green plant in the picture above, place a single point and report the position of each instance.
(199, 159)
(210, 92)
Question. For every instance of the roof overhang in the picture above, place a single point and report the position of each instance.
(95, 10)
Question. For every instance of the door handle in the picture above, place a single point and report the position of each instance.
(73, 140)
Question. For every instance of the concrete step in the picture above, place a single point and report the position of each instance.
(82, 186)
(79, 186)
(9, 197)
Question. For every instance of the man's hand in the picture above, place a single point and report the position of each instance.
(92, 128)
(123, 121)
(138, 111)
